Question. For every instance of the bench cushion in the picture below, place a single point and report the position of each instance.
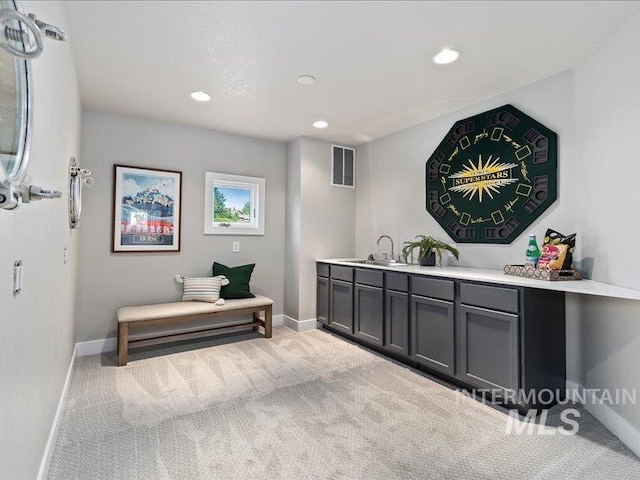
(181, 309)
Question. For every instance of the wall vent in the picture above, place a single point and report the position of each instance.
(343, 166)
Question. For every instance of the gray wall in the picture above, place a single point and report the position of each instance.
(37, 327)
(292, 245)
(595, 109)
(607, 116)
(390, 198)
(320, 221)
(106, 280)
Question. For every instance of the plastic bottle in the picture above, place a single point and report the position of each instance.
(533, 252)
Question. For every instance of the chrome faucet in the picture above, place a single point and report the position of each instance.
(393, 257)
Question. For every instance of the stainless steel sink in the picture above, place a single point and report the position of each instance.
(382, 263)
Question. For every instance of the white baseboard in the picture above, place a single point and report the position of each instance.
(621, 428)
(55, 427)
(95, 347)
(300, 325)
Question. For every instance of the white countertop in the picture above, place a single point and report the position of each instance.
(586, 287)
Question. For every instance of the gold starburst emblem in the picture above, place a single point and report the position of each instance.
(480, 179)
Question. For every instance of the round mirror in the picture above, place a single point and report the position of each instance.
(15, 109)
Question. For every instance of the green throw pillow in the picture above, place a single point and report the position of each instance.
(239, 278)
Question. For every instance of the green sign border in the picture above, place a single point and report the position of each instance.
(519, 188)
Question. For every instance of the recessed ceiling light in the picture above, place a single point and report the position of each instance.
(306, 80)
(446, 55)
(320, 124)
(201, 96)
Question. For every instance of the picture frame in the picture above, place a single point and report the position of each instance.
(234, 204)
(147, 209)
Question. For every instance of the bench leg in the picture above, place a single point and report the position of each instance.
(268, 327)
(123, 343)
(256, 317)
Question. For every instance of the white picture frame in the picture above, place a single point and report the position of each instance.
(233, 204)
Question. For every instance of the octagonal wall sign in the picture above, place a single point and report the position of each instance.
(492, 176)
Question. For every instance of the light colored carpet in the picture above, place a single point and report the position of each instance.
(302, 406)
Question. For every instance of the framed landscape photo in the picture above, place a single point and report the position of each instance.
(234, 204)
(146, 209)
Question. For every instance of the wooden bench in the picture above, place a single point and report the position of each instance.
(176, 312)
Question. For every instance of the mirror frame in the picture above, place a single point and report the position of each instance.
(17, 175)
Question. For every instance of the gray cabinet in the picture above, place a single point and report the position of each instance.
(432, 329)
(488, 348)
(341, 305)
(322, 300)
(396, 322)
(369, 313)
(482, 335)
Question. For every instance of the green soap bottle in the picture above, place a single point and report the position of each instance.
(533, 252)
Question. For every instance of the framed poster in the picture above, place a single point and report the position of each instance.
(233, 205)
(146, 209)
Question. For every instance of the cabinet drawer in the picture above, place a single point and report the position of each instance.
(498, 298)
(398, 282)
(342, 273)
(323, 269)
(433, 288)
(373, 278)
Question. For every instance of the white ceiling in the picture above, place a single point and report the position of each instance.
(372, 60)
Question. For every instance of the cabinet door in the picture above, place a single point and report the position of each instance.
(322, 300)
(487, 346)
(396, 330)
(432, 327)
(341, 305)
(369, 313)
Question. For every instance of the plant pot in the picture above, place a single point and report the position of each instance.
(429, 260)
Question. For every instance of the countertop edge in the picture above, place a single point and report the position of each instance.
(584, 287)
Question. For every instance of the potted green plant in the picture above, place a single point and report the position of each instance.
(428, 247)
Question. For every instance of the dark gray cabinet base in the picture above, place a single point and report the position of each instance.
(432, 328)
(341, 305)
(322, 300)
(396, 322)
(499, 341)
(488, 348)
(369, 313)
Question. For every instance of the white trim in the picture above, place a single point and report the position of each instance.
(55, 427)
(257, 187)
(95, 347)
(621, 428)
(300, 325)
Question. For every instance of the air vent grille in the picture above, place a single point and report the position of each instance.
(343, 166)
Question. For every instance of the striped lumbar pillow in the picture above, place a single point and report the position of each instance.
(202, 289)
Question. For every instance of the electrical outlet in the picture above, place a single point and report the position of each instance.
(236, 247)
